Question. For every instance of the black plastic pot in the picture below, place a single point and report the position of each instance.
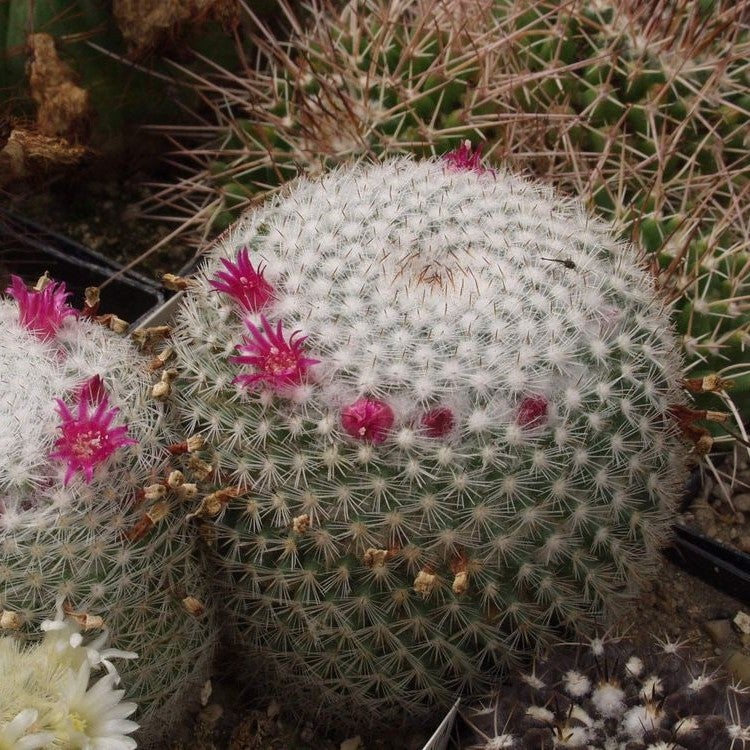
(28, 250)
(725, 568)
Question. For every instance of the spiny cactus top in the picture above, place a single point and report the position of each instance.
(445, 422)
(83, 448)
(613, 694)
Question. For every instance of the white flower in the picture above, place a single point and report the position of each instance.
(94, 718)
(13, 735)
(64, 637)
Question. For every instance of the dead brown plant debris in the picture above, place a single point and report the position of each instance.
(63, 106)
(27, 153)
(148, 25)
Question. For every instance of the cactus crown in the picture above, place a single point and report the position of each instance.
(477, 452)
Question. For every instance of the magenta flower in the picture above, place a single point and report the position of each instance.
(368, 419)
(92, 390)
(88, 437)
(463, 159)
(532, 411)
(41, 312)
(243, 283)
(278, 362)
(438, 422)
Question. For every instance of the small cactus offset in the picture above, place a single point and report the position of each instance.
(613, 694)
(440, 400)
(86, 515)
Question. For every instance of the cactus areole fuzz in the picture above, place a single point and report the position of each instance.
(448, 448)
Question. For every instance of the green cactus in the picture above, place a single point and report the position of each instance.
(86, 515)
(446, 437)
(645, 119)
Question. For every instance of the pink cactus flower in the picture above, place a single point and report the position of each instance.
(532, 411)
(463, 159)
(244, 283)
(278, 362)
(88, 437)
(92, 390)
(41, 312)
(368, 419)
(438, 422)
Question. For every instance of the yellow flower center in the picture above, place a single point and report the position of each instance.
(78, 722)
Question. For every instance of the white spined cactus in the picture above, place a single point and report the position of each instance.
(613, 694)
(440, 399)
(83, 449)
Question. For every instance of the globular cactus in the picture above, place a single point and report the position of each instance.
(441, 401)
(87, 514)
(613, 694)
(640, 113)
(48, 699)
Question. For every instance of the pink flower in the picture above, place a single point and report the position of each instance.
(242, 282)
(41, 312)
(92, 390)
(277, 362)
(462, 159)
(532, 411)
(88, 437)
(368, 419)
(438, 422)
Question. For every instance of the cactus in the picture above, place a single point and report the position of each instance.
(85, 515)
(613, 694)
(651, 135)
(440, 401)
(46, 695)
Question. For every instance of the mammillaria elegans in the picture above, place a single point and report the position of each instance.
(83, 449)
(478, 455)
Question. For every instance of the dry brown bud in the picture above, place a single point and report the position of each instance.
(375, 558)
(146, 338)
(84, 619)
(213, 504)
(199, 468)
(10, 620)
(193, 606)
(300, 524)
(118, 325)
(425, 583)
(154, 492)
(460, 583)
(43, 281)
(178, 283)
(192, 444)
(187, 491)
(175, 479)
(163, 389)
(161, 359)
(91, 301)
(707, 384)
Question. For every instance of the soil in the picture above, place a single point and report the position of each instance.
(675, 606)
